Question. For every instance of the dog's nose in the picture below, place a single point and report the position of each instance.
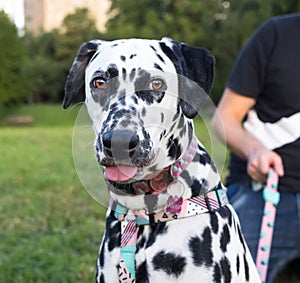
(120, 145)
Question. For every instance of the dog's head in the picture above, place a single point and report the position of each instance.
(141, 96)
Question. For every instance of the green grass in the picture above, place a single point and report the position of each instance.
(46, 115)
(50, 227)
(215, 148)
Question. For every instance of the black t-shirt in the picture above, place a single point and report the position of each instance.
(268, 70)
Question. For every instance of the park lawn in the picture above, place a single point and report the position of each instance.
(46, 115)
(50, 227)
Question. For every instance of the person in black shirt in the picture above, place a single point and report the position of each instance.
(258, 118)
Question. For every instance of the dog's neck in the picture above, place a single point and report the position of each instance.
(192, 175)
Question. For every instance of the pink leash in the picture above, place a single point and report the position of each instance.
(272, 198)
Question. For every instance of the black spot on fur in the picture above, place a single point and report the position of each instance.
(225, 238)
(170, 263)
(132, 55)
(162, 117)
(94, 56)
(196, 188)
(113, 235)
(163, 133)
(214, 222)
(238, 264)
(158, 95)
(134, 99)
(122, 97)
(225, 213)
(124, 74)
(132, 74)
(204, 185)
(142, 274)
(176, 116)
(133, 109)
(113, 71)
(181, 123)
(246, 268)
(158, 229)
(241, 238)
(201, 249)
(122, 113)
(199, 187)
(190, 130)
(174, 147)
(203, 158)
(141, 87)
(97, 273)
(160, 58)
(182, 132)
(156, 66)
(152, 47)
(123, 58)
(217, 273)
(142, 242)
(187, 177)
(101, 255)
(102, 280)
(225, 267)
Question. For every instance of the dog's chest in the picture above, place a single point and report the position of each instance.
(176, 249)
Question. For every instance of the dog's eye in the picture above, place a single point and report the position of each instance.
(99, 83)
(156, 84)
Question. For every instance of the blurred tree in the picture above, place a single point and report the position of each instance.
(12, 54)
(185, 20)
(43, 73)
(50, 55)
(236, 23)
(76, 29)
(221, 26)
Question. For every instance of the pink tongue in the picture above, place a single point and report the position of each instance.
(120, 173)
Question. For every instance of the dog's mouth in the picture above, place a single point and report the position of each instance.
(120, 173)
(125, 173)
(124, 155)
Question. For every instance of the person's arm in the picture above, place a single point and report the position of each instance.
(227, 125)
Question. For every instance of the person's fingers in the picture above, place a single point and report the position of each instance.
(265, 162)
(254, 171)
(278, 166)
(260, 163)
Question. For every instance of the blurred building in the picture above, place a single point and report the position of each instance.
(15, 10)
(45, 15)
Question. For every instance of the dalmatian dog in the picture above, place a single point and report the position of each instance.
(168, 218)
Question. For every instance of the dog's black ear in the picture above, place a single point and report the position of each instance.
(195, 67)
(75, 80)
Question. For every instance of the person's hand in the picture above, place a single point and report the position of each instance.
(259, 163)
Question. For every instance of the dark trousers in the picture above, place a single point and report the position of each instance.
(249, 206)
